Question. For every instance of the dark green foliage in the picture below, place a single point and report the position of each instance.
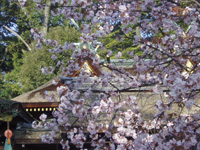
(7, 109)
(8, 17)
(30, 75)
(9, 87)
(21, 69)
(127, 45)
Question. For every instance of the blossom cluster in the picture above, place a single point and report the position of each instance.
(175, 42)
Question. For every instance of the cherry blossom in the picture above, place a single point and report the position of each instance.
(119, 54)
(109, 53)
(169, 41)
(43, 117)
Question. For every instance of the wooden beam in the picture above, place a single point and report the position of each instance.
(40, 104)
(33, 141)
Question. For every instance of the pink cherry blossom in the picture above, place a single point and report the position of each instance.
(114, 102)
(119, 55)
(43, 117)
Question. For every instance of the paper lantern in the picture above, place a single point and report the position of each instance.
(8, 133)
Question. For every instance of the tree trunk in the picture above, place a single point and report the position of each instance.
(46, 16)
(138, 33)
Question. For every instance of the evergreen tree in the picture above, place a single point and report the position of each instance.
(30, 75)
(21, 68)
(8, 17)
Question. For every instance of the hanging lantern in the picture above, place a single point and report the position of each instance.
(8, 134)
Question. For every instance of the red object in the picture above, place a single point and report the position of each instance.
(8, 133)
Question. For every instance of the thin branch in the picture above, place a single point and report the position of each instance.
(18, 37)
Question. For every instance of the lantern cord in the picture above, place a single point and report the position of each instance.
(8, 124)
